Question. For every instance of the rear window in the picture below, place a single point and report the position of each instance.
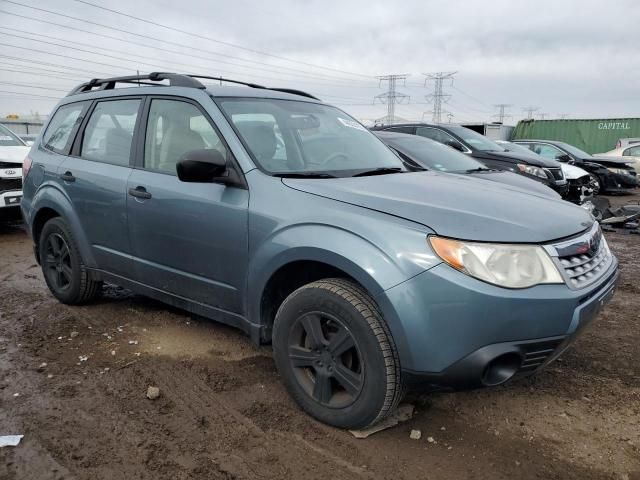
(59, 130)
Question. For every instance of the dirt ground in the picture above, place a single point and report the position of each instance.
(73, 380)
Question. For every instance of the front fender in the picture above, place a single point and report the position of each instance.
(51, 196)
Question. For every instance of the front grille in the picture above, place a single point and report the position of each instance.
(557, 173)
(7, 184)
(584, 260)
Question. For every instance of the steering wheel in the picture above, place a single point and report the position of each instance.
(333, 157)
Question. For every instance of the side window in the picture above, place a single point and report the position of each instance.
(174, 128)
(109, 132)
(437, 135)
(547, 151)
(58, 132)
(410, 130)
(632, 152)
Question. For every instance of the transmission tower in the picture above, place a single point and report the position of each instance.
(563, 116)
(529, 111)
(501, 115)
(391, 96)
(449, 117)
(543, 115)
(438, 97)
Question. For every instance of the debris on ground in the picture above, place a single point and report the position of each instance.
(153, 393)
(73, 334)
(402, 414)
(10, 440)
(415, 435)
(431, 440)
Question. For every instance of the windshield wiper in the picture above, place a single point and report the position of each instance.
(303, 175)
(379, 171)
(479, 169)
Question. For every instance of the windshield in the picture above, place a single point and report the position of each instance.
(574, 151)
(301, 138)
(9, 139)
(433, 155)
(475, 140)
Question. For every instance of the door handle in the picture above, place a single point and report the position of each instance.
(139, 192)
(68, 176)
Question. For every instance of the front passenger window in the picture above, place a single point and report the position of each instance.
(173, 129)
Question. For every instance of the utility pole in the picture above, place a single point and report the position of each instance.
(391, 96)
(501, 115)
(438, 97)
(529, 111)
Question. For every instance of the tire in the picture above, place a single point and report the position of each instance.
(330, 332)
(64, 270)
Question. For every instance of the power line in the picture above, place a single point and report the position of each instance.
(139, 35)
(501, 115)
(391, 96)
(30, 94)
(529, 111)
(438, 97)
(222, 42)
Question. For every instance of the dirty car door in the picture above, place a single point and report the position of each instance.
(188, 239)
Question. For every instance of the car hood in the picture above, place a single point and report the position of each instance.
(516, 180)
(457, 206)
(571, 172)
(604, 160)
(535, 160)
(14, 154)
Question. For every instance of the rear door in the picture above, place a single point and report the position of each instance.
(188, 239)
(95, 179)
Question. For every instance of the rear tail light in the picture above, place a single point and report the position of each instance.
(26, 166)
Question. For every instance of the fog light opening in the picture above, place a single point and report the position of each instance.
(501, 369)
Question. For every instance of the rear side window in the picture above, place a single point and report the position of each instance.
(173, 129)
(435, 134)
(109, 132)
(61, 126)
(632, 152)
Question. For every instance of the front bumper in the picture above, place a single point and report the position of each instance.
(10, 199)
(613, 182)
(454, 331)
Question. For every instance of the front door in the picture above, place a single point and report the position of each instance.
(188, 239)
(95, 179)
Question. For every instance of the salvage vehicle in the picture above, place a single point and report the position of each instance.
(548, 172)
(582, 185)
(613, 175)
(420, 153)
(629, 154)
(270, 211)
(12, 154)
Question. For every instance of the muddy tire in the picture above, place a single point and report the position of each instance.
(336, 355)
(62, 266)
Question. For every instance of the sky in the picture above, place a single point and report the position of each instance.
(564, 57)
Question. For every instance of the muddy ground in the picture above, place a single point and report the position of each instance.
(223, 414)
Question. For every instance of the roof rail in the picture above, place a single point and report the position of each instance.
(255, 85)
(175, 80)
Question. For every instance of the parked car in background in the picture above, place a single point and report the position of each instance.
(629, 154)
(29, 138)
(420, 153)
(546, 171)
(366, 277)
(625, 142)
(12, 153)
(613, 175)
(582, 185)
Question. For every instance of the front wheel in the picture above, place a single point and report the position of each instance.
(336, 354)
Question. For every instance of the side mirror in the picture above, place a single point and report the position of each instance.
(565, 157)
(201, 166)
(457, 145)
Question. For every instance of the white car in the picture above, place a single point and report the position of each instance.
(12, 153)
(630, 153)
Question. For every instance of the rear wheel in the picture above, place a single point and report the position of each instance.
(336, 354)
(64, 270)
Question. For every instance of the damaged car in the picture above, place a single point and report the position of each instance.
(420, 153)
(12, 154)
(613, 175)
(273, 212)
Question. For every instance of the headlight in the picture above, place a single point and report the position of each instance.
(505, 265)
(619, 171)
(531, 170)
